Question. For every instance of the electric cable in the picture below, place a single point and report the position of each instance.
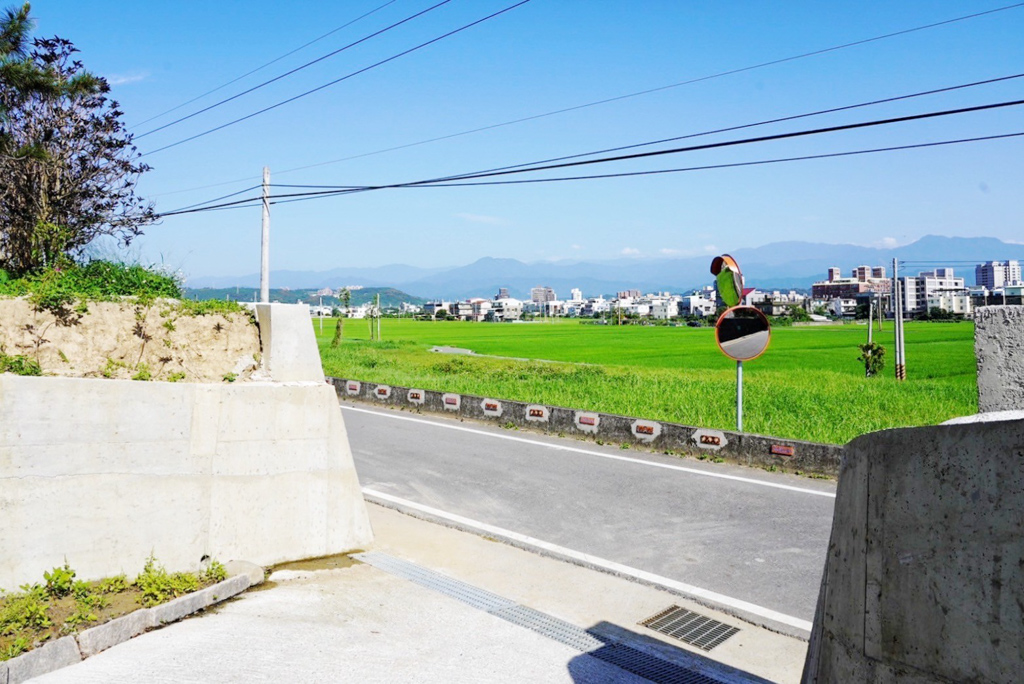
(748, 125)
(339, 80)
(623, 97)
(700, 79)
(293, 71)
(707, 146)
(264, 66)
(708, 167)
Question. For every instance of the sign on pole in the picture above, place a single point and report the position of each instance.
(742, 332)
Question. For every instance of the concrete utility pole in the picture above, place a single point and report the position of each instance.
(265, 243)
(378, 317)
(901, 369)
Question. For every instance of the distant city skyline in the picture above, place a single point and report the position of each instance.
(544, 57)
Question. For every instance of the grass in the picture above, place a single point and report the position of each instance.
(62, 605)
(808, 385)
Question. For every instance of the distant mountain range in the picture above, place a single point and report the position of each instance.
(389, 297)
(778, 265)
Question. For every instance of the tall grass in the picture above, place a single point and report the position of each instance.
(808, 385)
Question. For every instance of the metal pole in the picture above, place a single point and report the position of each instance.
(901, 372)
(739, 396)
(871, 318)
(321, 314)
(265, 243)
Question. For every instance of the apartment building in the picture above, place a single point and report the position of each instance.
(995, 274)
(917, 290)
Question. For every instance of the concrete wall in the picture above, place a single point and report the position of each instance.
(744, 448)
(924, 580)
(105, 472)
(999, 348)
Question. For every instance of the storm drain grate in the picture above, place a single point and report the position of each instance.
(467, 593)
(689, 627)
(607, 649)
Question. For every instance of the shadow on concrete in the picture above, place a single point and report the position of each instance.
(649, 659)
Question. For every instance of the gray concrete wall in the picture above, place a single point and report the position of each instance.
(104, 472)
(924, 580)
(999, 348)
(745, 448)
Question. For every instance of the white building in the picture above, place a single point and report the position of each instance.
(953, 302)
(506, 309)
(917, 290)
(595, 306)
(698, 304)
(577, 294)
(995, 274)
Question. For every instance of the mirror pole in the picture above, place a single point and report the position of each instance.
(739, 396)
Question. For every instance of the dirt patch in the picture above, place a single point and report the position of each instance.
(155, 341)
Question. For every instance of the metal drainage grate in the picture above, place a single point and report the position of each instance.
(689, 627)
(610, 650)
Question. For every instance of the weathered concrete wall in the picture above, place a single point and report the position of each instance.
(105, 472)
(999, 348)
(744, 448)
(924, 580)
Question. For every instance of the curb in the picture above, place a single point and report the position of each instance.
(73, 649)
(741, 448)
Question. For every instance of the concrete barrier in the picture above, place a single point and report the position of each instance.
(105, 472)
(999, 348)
(924, 579)
(744, 448)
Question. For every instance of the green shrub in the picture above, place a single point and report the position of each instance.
(19, 365)
(24, 611)
(113, 585)
(60, 581)
(215, 572)
(159, 586)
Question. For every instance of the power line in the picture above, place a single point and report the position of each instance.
(649, 91)
(708, 146)
(504, 171)
(343, 78)
(295, 70)
(264, 66)
(217, 199)
(621, 97)
(751, 125)
(708, 167)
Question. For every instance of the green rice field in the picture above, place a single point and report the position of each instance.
(808, 385)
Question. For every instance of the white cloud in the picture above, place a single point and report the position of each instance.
(577, 247)
(668, 251)
(125, 79)
(481, 218)
(888, 242)
(630, 251)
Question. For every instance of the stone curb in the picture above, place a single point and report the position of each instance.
(70, 650)
(743, 448)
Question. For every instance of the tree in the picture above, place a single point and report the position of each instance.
(69, 170)
(873, 357)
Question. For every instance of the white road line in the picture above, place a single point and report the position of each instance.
(618, 568)
(576, 450)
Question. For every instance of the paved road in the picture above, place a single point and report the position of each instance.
(747, 534)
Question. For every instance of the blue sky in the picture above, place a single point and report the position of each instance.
(544, 56)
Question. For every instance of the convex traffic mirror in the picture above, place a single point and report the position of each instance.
(742, 333)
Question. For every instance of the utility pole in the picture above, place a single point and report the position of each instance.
(378, 317)
(871, 317)
(901, 369)
(265, 242)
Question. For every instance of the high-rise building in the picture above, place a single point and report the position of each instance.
(929, 285)
(502, 293)
(995, 274)
(542, 294)
(834, 273)
(577, 294)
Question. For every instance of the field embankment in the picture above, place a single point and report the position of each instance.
(808, 385)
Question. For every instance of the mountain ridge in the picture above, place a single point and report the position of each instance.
(787, 264)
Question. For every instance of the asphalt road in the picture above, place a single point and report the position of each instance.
(744, 533)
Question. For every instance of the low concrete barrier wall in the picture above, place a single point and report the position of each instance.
(105, 472)
(999, 348)
(744, 448)
(924, 580)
